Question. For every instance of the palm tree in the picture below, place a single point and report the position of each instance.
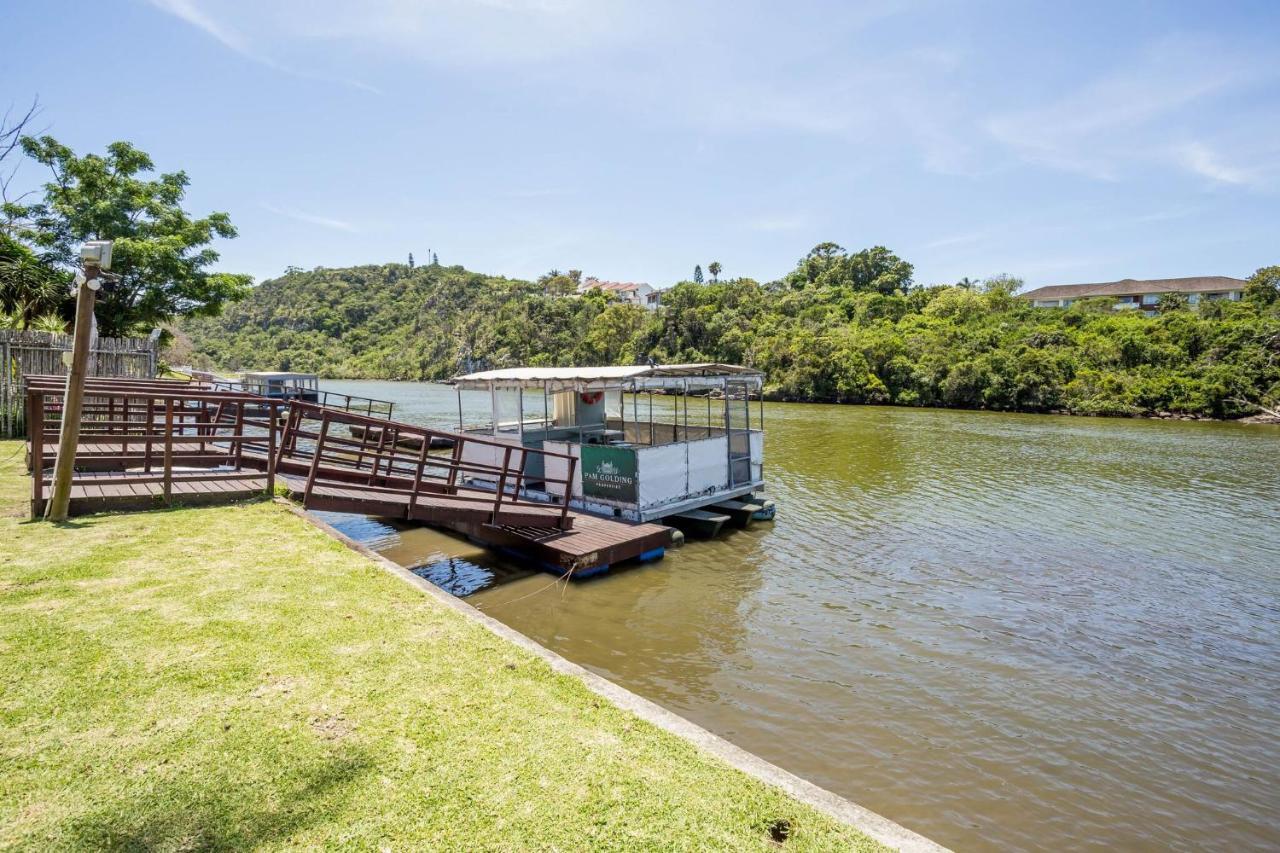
(967, 283)
(28, 286)
(48, 323)
(714, 268)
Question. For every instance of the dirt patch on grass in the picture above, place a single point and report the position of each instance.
(276, 686)
(331, 726)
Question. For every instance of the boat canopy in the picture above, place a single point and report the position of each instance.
(699, 375)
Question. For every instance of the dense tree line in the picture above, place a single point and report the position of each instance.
(841, 327)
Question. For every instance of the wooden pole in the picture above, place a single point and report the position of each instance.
(417, 479)
(238, 441)
(168, 450)
(73, 400)
(271, 450)
(148, 432)
(315, 460)
(35, 428)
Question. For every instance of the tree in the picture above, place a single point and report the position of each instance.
(1003, 284)
(880, 270)
(1263, 287)
(816, 266)
(697, 273)
(1170, 302)
(411, 260)
(162, 255)
(829, 265)
(29, 286)
(967, 283)
(556, 283)
(714, 268)
(12, 130)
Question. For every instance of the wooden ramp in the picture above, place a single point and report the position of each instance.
(374, 470)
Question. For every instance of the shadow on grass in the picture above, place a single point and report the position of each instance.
(204, 814)
(61, 525)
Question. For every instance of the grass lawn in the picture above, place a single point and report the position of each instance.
(231, 677)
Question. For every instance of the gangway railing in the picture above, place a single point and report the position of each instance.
(478, 476)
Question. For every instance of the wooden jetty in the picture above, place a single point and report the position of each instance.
(465, 491)
(145, 442)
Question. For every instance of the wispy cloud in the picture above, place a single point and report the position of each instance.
(458, 32)
(188, 11)
(957, 240)
(1123, 121)
(311, 218)
(1163, 215)
(192, 13)
(540, 193)
(785, 222)
(1203, 160)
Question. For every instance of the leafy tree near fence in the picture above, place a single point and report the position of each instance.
(162, 254)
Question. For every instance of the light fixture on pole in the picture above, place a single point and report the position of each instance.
(95, 258)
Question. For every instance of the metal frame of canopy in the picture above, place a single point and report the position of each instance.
(736, 384)
(625, 379)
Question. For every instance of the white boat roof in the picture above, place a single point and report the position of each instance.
(606, 377)
(278, 374)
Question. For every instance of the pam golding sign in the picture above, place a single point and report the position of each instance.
(609, 472)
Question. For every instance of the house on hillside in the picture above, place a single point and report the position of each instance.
(634, 293)
(1143, 295)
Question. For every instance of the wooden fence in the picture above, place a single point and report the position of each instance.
(42, 353)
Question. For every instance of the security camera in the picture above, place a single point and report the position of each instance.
(97, 253)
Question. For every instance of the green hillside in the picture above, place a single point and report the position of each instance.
(843, 327)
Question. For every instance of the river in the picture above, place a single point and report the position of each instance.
(999, 630)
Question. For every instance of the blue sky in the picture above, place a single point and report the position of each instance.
(632, 139)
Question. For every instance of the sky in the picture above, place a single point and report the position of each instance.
(632, 139)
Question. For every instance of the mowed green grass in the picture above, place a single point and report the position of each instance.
(231, 677)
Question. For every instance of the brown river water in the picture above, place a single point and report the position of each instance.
(1002, 631)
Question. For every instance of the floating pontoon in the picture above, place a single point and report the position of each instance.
(653, 442)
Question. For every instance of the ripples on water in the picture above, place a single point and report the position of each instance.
(999, 630)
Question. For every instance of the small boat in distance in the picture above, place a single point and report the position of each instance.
(675, 442)
(283, 385)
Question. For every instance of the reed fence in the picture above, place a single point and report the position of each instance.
(27, 353)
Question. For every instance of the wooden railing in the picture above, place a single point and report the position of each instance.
(370, 406)
(395, 458)
(149, 418)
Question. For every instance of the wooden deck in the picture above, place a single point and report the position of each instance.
(116, 491)
(594, 545)
(101, 456)
(147, 442)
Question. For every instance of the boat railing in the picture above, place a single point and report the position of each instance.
(377, 455)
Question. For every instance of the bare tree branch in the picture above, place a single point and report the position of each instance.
(1275, 413)
(12, 131)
